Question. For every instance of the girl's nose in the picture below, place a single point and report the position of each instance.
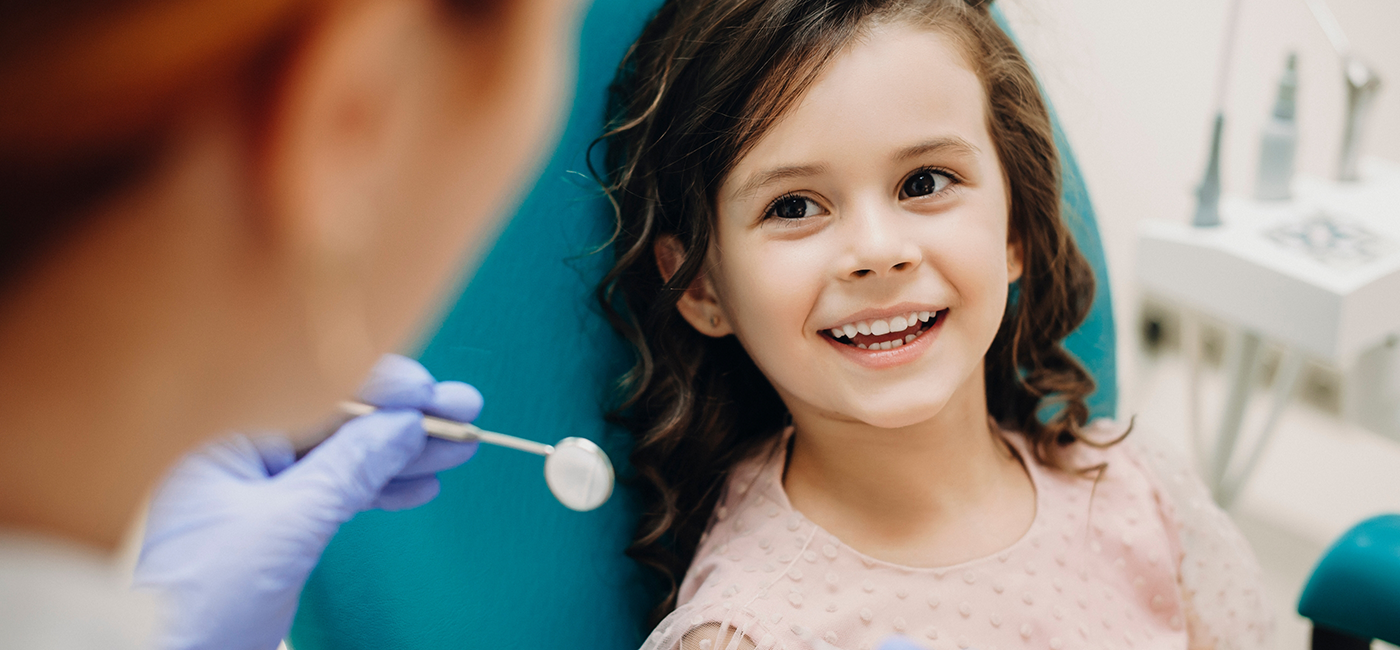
(878, 246)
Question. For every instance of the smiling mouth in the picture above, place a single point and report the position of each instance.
(885, 333)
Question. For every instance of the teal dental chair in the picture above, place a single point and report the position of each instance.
(495, 562)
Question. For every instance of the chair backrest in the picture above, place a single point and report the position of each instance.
(495, 562)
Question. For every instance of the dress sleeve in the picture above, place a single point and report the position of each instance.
(1220, 579)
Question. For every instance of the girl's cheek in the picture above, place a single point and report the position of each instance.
(771, 288)
(970, 258)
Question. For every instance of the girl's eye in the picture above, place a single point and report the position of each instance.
(793, 207)
(924, 183)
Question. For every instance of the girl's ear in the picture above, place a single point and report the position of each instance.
(699, 305)
(1013, 259)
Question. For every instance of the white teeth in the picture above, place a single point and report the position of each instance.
(861, 346)
(896, 343)
(881, 327)
(887, 345)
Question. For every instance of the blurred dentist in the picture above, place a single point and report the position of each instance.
(217, 216)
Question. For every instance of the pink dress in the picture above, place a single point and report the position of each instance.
(1112, 572)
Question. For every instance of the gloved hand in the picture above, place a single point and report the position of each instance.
(237, 527)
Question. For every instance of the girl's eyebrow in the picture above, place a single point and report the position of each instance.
(950, 144)
(760, 179)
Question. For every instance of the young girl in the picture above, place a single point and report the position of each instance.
(850, 426)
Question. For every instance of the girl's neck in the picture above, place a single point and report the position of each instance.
(938, 492)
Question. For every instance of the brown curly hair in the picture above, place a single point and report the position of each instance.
(702, 84)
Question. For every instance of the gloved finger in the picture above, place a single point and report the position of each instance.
(455, 400)
(398, 382)
(357, 461)
(235, 457)
(402, 494)
(899, 643)
(277, 452)
(438, 455)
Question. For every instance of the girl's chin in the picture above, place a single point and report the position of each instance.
(891, 414)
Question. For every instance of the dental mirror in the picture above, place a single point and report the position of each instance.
(576, 470)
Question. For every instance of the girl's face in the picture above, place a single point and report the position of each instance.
(875, 207)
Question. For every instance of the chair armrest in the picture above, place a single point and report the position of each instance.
(1356, 586)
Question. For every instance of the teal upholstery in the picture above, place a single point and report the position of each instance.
(1355, 588)
(495, 562)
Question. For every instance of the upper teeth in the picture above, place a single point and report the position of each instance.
(882, 326)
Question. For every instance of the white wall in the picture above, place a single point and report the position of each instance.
(1134, 84)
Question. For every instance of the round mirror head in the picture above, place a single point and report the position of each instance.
(579, 474)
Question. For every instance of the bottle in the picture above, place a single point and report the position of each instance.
(1279, 141)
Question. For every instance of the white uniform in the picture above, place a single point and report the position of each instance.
(55, 595)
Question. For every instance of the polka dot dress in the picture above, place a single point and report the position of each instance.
(1094, 573)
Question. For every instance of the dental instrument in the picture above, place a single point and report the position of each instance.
(576, 470)
(1208, 193)
(1362, 87)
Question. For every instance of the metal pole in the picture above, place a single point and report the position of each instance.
(1290, 368)
(1242, 373)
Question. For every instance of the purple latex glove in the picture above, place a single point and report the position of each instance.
(238, 526)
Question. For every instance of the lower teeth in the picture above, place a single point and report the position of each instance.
(887, 345)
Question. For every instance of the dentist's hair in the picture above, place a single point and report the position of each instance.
(706, 79)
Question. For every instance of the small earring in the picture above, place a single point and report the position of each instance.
(714, 321)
